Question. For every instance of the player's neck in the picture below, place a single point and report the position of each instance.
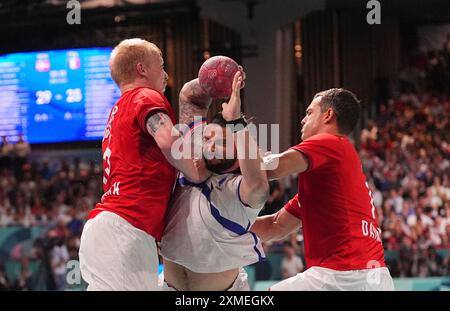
(133, 85)
(330, 129)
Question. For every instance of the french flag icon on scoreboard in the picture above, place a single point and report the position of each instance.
(74, 60)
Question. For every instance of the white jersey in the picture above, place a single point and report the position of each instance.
(207, 226)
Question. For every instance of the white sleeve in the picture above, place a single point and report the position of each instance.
(234, 208)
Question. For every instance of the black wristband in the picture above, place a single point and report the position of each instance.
(241, 121)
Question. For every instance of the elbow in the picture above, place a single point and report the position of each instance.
(165, 143)
(265, 190)
(274, 174)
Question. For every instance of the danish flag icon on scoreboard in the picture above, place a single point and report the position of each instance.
(42, 65)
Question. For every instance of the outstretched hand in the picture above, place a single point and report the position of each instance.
(232, 109)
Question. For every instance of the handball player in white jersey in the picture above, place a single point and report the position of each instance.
(207, 241)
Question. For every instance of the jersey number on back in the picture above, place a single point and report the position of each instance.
(107, 165)
(107, 153)
(371, 200)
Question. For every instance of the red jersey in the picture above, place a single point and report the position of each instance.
(340, 227)
(137, 178)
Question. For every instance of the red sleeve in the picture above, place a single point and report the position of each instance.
(321, 150)
(148, 100)
(293, 207)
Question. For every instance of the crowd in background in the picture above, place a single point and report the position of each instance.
(54, 195)
(406, 156)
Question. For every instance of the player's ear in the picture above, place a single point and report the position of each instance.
(329, 115)
(140, 69)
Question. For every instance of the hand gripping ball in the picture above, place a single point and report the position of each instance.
(216, 76)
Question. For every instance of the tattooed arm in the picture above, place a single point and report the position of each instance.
(166, 135)
(193, 102)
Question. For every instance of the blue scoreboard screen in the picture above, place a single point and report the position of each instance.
(56, 96)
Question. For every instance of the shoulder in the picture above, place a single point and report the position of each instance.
(322, 148)
(226, 185)
(324, 141)
(325, 138)
(145, 93)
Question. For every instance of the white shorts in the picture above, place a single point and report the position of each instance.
(240, 284)
(317, 279)
(114, 255)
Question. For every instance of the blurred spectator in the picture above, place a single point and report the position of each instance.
(263, 269)
(22, 151)
(291, 263)
(434, 262)
(60, 257)
(411, 78)
(41, 251)
(437, 76)
(4, 282)
(6, 153)
(24, 280)
(276, 199)
(74, 224)
(369, 135)
(446, 265)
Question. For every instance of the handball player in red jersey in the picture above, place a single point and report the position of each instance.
(118, 245)
(342, 237)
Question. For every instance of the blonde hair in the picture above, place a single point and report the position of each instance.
(126, 55)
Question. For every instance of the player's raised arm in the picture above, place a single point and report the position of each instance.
(254, 188)
(279, 225)
(193, 102)
(165, 134)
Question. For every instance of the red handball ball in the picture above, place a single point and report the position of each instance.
(216, 76)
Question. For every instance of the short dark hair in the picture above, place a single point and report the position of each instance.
(346, 106)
